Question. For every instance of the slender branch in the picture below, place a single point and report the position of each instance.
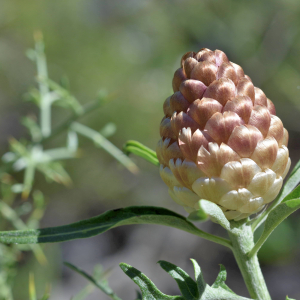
(95, 281)
(102, 142)
(32, 291)
(42, 72)
(58, 154)
(47, 98)
(66, 124)
(213, 238)
(28, 179)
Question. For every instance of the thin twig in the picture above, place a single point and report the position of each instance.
(42, 72)
(105, 144)
(66, 124)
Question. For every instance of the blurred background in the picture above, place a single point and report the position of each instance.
(132, 48)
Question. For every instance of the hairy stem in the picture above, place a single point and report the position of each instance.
(242, 243)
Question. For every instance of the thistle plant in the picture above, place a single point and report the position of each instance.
(221, 139)
(223, 155)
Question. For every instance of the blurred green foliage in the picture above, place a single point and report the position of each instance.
(132, 48)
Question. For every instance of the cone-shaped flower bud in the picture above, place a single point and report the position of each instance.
(220, 138)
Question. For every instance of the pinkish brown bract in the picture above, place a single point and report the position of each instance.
(220, 138)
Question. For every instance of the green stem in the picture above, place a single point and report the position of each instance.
(66, 124)
(28, 179)
(45, 117)
(105, 144)
(9, 214)
(262, 218)
(42, 73)
(242, 242)
(212, 238)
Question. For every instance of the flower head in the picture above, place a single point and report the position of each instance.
(220, 138)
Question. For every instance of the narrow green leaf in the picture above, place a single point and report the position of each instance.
(102, 285)
(296, 168)
(221, 277)
(220, 280)
(65, 125)
(28, 180)
(276, 216)
(33, 128)
(142, 151)
(84, 292)
(18, 148)
(108, 130)
(293, 195)
(140, 146)
(142, 154)
(54, 171)
(45, 297)
(148, 288)
(186, 284)
(72, 141)
(106, 221)
(287, 298)
(199, 278)
(63, 95)
(98, 274)
(32, 291)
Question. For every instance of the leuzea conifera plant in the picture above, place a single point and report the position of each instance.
(223, 154)
(220, 138)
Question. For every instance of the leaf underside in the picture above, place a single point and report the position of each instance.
(99, 224)
(148, 289)
(190, 289)
(186, 284)
(275, 217)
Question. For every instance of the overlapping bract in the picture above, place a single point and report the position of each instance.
(220, 138)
